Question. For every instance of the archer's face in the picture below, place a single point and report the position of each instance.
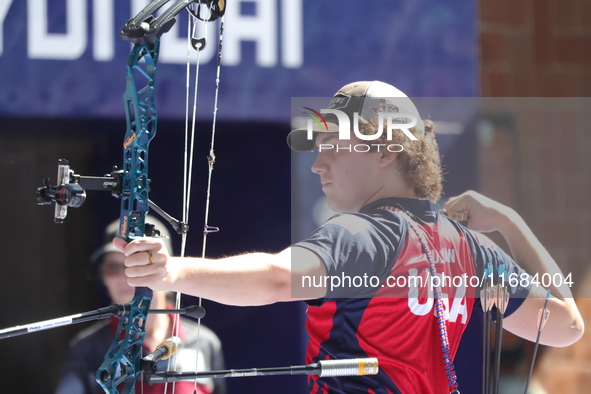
(349, 179)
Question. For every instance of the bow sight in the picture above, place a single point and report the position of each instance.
(70, 191)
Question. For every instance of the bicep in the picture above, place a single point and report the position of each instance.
(307, 274)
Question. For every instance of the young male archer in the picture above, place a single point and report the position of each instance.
(385, 228)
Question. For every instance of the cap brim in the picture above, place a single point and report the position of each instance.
(299, 139)
(96, 256)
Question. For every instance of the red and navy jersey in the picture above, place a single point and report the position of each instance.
(379, 300)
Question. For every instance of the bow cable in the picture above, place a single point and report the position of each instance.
(188, 171)
(189, 153)
(187, 177)
(211, 160)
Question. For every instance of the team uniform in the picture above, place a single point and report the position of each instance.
(379, 300)
(87, 351)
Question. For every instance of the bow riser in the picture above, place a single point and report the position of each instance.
(121, 367)
(141, 116)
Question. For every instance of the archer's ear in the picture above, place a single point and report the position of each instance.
(387, 158)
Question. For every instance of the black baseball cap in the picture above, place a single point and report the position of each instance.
(367, 99)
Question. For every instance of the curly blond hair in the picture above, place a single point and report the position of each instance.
(419, 161)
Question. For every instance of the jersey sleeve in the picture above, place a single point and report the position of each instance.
(358, 252)
(516, 280)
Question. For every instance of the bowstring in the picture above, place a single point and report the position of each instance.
(211, 161)
(188, 164)
(188, 155)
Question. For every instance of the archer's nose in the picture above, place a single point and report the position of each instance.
(319, 166)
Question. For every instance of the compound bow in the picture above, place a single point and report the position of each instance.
(121, 367)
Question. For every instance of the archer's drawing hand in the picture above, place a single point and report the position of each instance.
(484, 215)
(148, 263)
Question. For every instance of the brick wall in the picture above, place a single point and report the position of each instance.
(535, 153)
(540, 48)
(536, 48)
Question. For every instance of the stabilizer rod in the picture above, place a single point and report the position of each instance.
(114, 310)
(352, 367)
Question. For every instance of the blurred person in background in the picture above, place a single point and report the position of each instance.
(87, 349)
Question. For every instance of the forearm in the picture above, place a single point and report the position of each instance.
(250, 279)
(564, 325)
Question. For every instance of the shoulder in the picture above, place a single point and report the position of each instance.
(350, 222)
(354, 234)
(482, 247)
(378, 221)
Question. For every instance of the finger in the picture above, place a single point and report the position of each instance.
(142, 258)
(119, 244)
(461, 217)
(457, 209)
(451, 204)
(453, 198)
(144, 244)
(140, 271)
(146, 275)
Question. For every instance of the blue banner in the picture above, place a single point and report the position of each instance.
(64, 58)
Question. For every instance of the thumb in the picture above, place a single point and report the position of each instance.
(119, 244)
